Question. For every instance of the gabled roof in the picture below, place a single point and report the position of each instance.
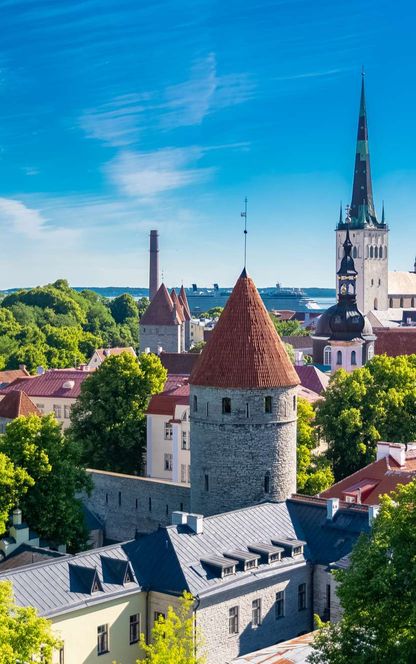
(312, 378)
(175, 393)
(103, 353)
(51, 384)
(8, 376)
(160, 311)
(184, 301)
(244, 350)
(17, 403)
(178, 363)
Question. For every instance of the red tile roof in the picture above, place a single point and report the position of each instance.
(103, 353)
(298, 342)
(244, 350)
(177, 304)
(312, 378)
(175, 392)
(184, 301)
(8, 376)
(160, 310)
(51, 384)
(178, 363)
(369, 483)
(395, 341)
(17, 403)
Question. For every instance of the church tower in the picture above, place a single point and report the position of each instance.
(243, 410)
(369, 236)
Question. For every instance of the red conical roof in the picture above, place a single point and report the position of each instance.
(160, 311)
(244, 349)
(184, 301)
(177, 304)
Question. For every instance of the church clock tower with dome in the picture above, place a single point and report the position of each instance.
(344, 338)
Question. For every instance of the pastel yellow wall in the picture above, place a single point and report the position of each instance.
(78, 631)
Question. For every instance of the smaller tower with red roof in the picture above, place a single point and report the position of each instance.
(243, 410)
(162, 324)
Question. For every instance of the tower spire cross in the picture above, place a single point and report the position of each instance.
(244, 215)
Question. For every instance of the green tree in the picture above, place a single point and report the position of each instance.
(198, 347)
(289, 328)
(14, 482)
(375, 402)
(24, 636)
(314, 473)
(108, 420)
(214, 312)
(175, 639)
(377, 592)
(123, 307)
(37, 446)
(142, 304)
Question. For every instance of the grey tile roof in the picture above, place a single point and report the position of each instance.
(54, 587)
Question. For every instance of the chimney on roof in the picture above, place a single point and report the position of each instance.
(196, 523)
(299, 358)
(179, 518)
(159, 350)
(395, 450)
(332, 506)
(154, 264)
(40, 371)
(22, 367)
(147, 350)
(17, 516)
(373, 510)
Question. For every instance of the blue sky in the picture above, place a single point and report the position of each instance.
(119, 117)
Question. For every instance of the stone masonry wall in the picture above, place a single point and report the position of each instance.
(127, 504)
(234, 452)
(213, 621)
(169, 337)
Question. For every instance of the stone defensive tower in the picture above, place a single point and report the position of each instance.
(369, 236)
(154, 264)
(243, 410)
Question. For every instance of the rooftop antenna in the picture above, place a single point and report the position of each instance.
(244, 215)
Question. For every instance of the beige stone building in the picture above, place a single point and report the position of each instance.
(168, 442)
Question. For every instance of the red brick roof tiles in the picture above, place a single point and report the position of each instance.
(103, 353)
(17, 403)
(395, 341)
(244, 350)
(177, 304)
(7, 377)
(51, 384)
(160, 310)
(178, 363)
(175, 392)
(312, 378)
(184, 301)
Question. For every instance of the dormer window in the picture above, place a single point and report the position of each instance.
(226, 406)
(275, 556)
(297, 550)
(227, 571)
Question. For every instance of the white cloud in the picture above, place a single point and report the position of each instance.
(146, 174)
(15, 216)
(120, 121)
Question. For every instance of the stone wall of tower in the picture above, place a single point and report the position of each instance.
(231, 454)
(372, 279)
(168, 337)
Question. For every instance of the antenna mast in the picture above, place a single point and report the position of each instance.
(244, 215)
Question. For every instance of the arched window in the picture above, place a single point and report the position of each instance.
(375, 303)
(226, 406)
(401, 303)
(327, 355)
(380, 252)
(267, 482)
(391, 305)
(372, 282)
(371, 251)
(370, 351)
(195, 403)
(412, 302)
(354, 252)
(375, 252)
(353, 357)
(339, 357)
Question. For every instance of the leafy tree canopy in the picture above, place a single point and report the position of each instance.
(289, 328)
(377, 592)
(197, 348)
(214, 312)
(108, 420)
(57, 326)
(14, 482)
(313, 472)
(49, 465)
(174, 639)
(24, 636)
(375, 402)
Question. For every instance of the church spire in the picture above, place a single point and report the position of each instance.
(362, 210)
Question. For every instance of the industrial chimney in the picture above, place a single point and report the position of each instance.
(154, 264)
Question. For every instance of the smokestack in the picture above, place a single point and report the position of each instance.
(154, 264)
